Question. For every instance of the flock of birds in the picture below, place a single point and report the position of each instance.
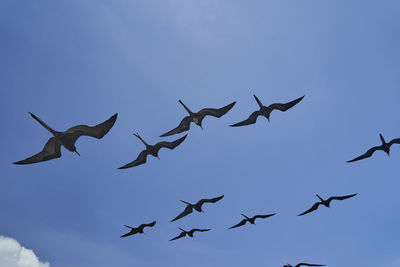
(67, 139)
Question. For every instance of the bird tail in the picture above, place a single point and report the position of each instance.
(43, 124)
(258, 101)
(382, 139)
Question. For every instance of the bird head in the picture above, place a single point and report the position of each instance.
(73, 149)
(198, 122)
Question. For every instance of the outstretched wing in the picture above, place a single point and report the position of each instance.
(286, 106)
(366, 154)
(314, 207)
(198, 230)
(170, 145)
(141, 159)
(210, 200)
(394, 141)
(97, 131)
(341, 197)
(263, 216)
(215, 112)
(183, 126)
(250, 120)
(132, 232)
(307, 264)
(187, 211)
(242, 222)
(182, 234)
(51, 150)
(147, 225)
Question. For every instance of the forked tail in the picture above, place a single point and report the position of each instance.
(43, 124)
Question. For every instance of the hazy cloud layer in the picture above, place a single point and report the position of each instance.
(12, 254)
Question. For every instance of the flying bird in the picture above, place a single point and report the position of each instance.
(189, 208)
(385, 147)
(250, 220)
(326, 203)
(151, 150)
(67, 139)
(138, 230)
(198, 117)
(189, 233)
(302, 264)
(266, 111)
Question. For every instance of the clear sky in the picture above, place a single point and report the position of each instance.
(74, 62)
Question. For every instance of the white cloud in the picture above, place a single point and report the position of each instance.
(12, 254)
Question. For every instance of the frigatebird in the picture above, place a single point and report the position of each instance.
(250, 220)
(326, 203)
(198, 117)
(138, 230)
(385, 147)
(189, 233)
(151, 150)
(266, 111)
(189, 208)
(67, 139)
(302, 264)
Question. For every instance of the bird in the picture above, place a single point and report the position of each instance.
(266, 111)
(67, 139)
(385, 147)
(151, 150)
(326, 203)
(250, 220)
(198, 117)
(189, 233)
(138, 230)
(302, 264)
(189, 208)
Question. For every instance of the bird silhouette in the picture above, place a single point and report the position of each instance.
(198, 117)
(302, 264)
(189, 208)
(326, 203)
(189, 233)
(151, 150)
(385, 147)
(67, 139)
(250, 220)
(138, 230)
(266, 111)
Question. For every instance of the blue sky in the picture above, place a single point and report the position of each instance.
(74, 62)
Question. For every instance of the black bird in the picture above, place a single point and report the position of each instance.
(189, 208)
(198, 117)
(250, 220)
(302, 264)
(138, 230)
(151, 150)
(266, 111)
(385, 147)
(189, 233)
(67, 139)
(326, 203)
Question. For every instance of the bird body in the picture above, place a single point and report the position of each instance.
(198, 206)
(302, 264)
(151, 150)
(326, 203)
(138, 230)
(67, 139)
(384, 147)
(266, 111)
(198, 117)
(189, 233)
(250, 220)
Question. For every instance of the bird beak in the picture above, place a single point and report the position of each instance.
(77, 153)
(158, 157)
(201, 127)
